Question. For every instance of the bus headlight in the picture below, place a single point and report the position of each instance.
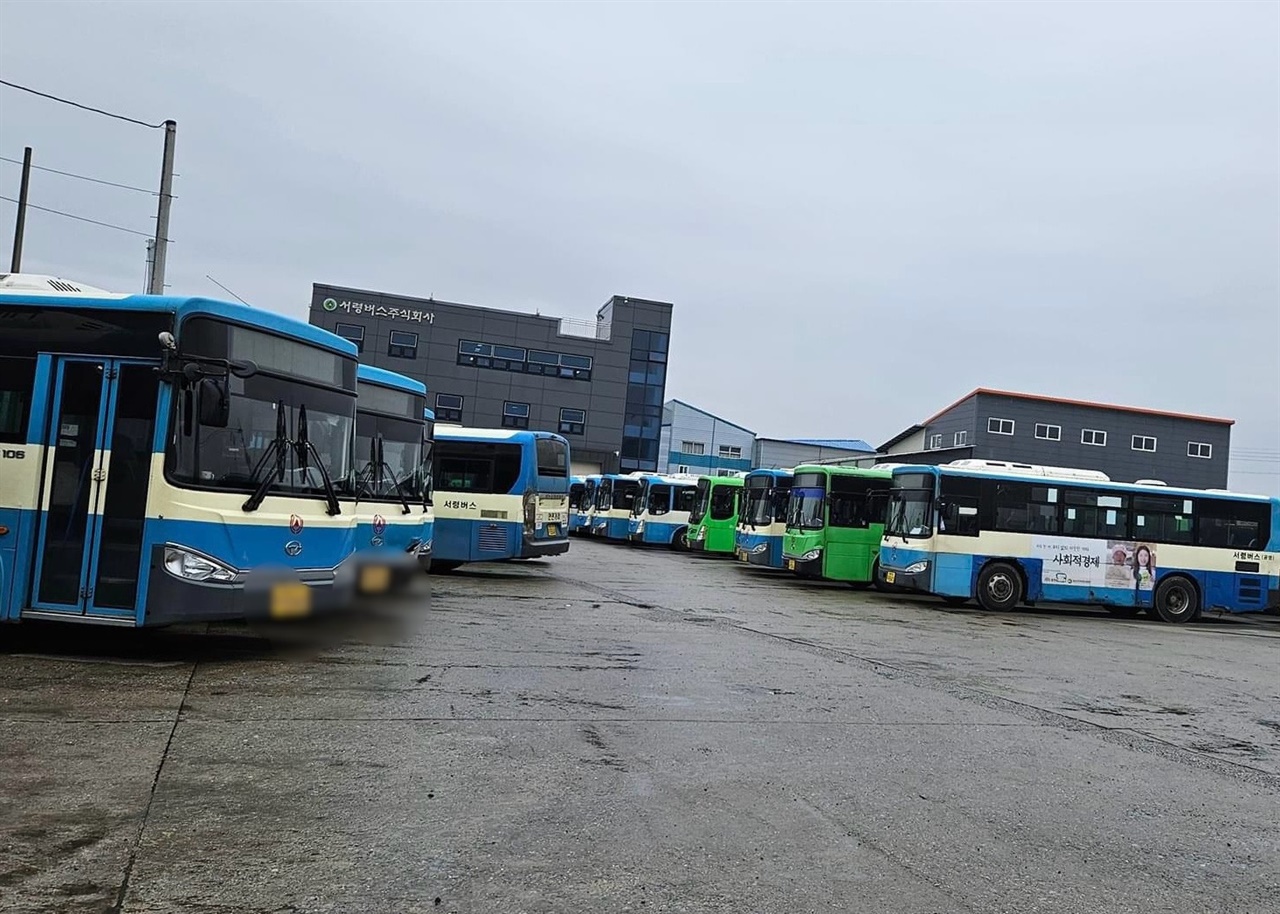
(759, 548)
(639, 526)
(702, 533)
(916, 568)
(192, 566)
(811, 556)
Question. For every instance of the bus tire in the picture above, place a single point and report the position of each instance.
(859, 585)
(1000, 587)
(678, 541)
(1176, 600)
(875, 577)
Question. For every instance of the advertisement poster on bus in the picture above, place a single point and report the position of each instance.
(1096, 563)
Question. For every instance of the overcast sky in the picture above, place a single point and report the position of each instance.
(860, 211)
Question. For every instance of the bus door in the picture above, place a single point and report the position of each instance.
(98, 439)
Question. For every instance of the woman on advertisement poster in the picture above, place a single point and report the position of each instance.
(1144, 566)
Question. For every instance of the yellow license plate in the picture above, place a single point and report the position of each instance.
(290, 601)
(553, 530)
(791, 564)
(375, 579)
(742, 556)
(889, 576)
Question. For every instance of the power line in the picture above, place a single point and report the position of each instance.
(68, 174)
(45, 209)
(67, 101)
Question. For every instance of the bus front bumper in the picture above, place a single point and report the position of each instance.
(901, 579)
(810, 567)
(277, 593)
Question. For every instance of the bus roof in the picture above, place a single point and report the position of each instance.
(833, 470)
(515, 436)
(736, 479)
(1147, 488)
(371, 374)
(771, 473)
(429, 414)
(181, 307)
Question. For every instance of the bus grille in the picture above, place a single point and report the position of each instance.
(493, 538)
(1251, 592)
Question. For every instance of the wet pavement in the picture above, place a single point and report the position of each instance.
(623, 730)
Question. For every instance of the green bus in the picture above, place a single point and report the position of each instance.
(713, 522)
(834, 523)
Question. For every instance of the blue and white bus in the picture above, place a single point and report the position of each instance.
(582, 517)
(762, 520)
(499, 494)
(387, 481)
(660, 510)
(1011, 534)
(577, 489)
(168, 459)
(614, 497)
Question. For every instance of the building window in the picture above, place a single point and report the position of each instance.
(1093, 436)
(730, 452)
(1048, 432)
(935, 442)
(695, 448)
(572, 421)
(682, 468)
(477, 354)
(960, 439)
(352, 332)
(1143, 443)
(403, 345)
(515, 415)
(448, 408)
(1000, 426)
(1199, 449)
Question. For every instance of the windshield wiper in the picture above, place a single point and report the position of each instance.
(278, 448)
(304, 447)
(399, 484)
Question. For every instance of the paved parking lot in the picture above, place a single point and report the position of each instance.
(621, 730)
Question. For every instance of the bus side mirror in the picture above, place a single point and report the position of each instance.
(215, 405)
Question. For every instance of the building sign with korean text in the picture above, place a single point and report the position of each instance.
(358, 307)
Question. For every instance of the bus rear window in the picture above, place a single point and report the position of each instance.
(553, 457)
(475, 467)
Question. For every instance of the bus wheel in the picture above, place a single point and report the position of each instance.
(999, 587)
(678, 540)
(1176, 600)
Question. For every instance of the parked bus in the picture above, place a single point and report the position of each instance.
(388, 483)
(582, 520)
(614, 498)
(577, 486)
(499, 494)
(660, 510)
(763, 518)
(834, 523)
(1007, 535)
(168, 459)
(713, 521)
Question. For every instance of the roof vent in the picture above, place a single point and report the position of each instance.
(35, 282)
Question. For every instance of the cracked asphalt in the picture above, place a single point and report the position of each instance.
(638, 731)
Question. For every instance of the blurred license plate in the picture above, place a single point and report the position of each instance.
(889, 576)
(791, 564)
(290, 601)
(375, 579)
(553, 530)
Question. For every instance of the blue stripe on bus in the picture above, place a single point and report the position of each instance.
(656, 532)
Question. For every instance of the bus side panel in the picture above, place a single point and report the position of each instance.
(19, 498)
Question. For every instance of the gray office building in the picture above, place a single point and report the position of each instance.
(599, 383)
(1127, 443)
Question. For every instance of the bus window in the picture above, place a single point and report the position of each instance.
(1162, 519)
(659, 499)
(1233, 524)
(553, 457)
(724, 502)
(466, 466)
(17, 380)
(686, 497)
(1095, 515)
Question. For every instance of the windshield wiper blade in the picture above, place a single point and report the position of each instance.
(305, 447)
(399, 484)
(278, 448)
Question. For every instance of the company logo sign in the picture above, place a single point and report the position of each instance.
(293, 548)
(379, 524)
(295, 524)
(330, 304)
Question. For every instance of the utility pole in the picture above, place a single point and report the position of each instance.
(151, 266)
(20, 226)
(161, 250)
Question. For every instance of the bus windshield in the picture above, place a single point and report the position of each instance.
(624, 494)
(399, 471)
(227, 455)
(757, 508)
(701, 501)
(806, 508)
(909, 511)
